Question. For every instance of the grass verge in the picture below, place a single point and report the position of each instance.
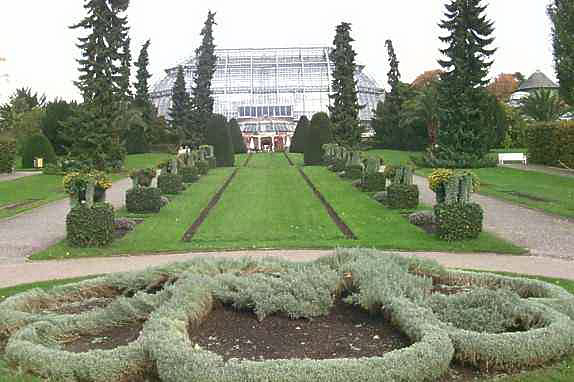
(553, 194)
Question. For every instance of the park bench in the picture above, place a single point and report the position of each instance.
(512, 157)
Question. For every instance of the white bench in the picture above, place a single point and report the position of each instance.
(512, 157)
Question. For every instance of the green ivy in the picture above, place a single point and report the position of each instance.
(143, 200)
(403, 196)
(170, 183)
(458, 221)
(189, 174)
(90, 226)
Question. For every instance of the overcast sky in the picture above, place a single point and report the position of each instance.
(40, 50)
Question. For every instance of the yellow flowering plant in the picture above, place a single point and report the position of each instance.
(76, 182)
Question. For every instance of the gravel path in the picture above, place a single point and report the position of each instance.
(18, 174)
(24, 234)
(542, 234)
(544, 169)
(13, 274)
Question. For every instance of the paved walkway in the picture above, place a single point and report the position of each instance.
(542, 234)
(13, 274)
(24, 234)
(544, 169)
(18, 174)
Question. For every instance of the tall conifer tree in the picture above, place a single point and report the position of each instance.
(103, 82)
(561, 13)
(180, 108)
(345, 108)
(142, 85)
(465, 128)
(202, 96)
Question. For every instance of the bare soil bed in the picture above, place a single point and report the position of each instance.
(346, 332)
(107, 339)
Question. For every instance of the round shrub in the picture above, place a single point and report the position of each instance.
(318, 133)
(8, 150)
(170, 183)
(189, 174)
(403, 196)
(90, 226)
(143, 200)
(37, 146)
(374, 182)
(458, 221)
(202, 167)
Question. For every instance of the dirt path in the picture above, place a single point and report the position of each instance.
(542, 234)
(37, 229)
(13, 274)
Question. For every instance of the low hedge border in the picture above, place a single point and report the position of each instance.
(143, 200)
(36, 348)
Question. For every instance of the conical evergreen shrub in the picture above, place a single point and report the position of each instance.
(237, 138)
(37, 146)
(318, 133)
(298, 140)
(219, 136)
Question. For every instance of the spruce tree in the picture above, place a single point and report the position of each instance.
(464, 132)
(298, 140)
(202, 97)
(179, 111)
(345, 108)
(561, 13)
(103, 82)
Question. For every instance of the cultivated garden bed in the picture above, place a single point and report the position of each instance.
(356, 316)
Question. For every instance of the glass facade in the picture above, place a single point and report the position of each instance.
(271, 86)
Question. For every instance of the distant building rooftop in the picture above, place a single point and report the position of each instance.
(537, 81)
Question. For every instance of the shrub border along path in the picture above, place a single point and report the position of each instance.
(343, 227)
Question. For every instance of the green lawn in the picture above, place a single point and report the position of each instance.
(23, 194)
(267, 205)
(560, 372)
(550, 193)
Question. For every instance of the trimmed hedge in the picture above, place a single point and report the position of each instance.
(143, 200)
(203, 167)
(37, 146)
(189, 174)
(458, 221)
(317, 134)
(550, 143)
(8, 151)
(403, 196)
(90, 226)
(353, 172)
(170, 183)
(374, 182)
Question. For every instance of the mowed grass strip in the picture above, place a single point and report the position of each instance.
(23, 194)
(268, 204)
(379, 227)
(550, 193)
(161, 232)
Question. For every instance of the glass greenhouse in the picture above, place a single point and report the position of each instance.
(268, 90)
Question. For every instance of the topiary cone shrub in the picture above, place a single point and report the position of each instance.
(37, 146)
(170, 183)
(318, 134)
(8, 151)
(90, 226)
(143, 200)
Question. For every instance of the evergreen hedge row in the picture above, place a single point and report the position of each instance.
(551, 143)
(90, 226)
(143, 200)
(317, 134)
(8, 151)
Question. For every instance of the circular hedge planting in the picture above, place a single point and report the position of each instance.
(489, 322)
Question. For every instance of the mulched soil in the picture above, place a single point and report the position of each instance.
(346, 332)
(107, 339)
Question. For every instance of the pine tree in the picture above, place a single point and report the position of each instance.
(345, 109)
(464, 131)
(202, 97)
(561, 13)
(179, 111)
